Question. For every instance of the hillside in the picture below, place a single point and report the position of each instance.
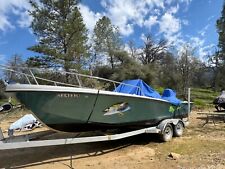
(203, 98)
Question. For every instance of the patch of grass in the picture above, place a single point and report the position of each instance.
(203, 90)
(13, 101)
(199, 102)
(203, 98)
(3, 101)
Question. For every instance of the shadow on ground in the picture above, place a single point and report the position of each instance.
(29, 157)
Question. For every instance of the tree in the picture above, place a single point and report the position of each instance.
(40, 61)
(187, 66)
(221, 31)
(2, 89)
(167, 71)
(122, 58)
(17, 64)
(62, 36)
(215, 61)
(152, 51)
(220, 55)
(133, 49)
(106, 39)
(126, 67)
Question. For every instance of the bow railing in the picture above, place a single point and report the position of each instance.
(33, 79)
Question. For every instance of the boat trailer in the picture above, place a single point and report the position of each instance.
(167, 128)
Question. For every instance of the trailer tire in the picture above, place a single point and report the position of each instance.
(178, 129)
(167, 133)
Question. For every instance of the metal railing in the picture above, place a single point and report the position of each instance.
(31, 75)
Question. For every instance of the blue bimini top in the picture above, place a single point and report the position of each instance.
(141, 89)
(170, 95)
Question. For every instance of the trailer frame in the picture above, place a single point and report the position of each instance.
(28, 140)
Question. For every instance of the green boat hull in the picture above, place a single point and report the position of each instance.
(73, 111)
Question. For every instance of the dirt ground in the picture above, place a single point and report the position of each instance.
(199, 147)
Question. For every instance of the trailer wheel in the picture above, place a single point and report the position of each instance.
(178, 129)
(167, 133)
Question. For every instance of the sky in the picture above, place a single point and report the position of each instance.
(180, 22)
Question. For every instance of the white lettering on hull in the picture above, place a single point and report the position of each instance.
(68, 95)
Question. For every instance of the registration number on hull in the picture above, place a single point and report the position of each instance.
(68, 95)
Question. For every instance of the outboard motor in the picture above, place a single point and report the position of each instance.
(219, 101)
(6, 107)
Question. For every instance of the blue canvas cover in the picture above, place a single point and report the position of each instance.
(145, 89)
(170, 95)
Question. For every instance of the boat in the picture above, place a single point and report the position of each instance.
(219, 101)
(65, 108)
